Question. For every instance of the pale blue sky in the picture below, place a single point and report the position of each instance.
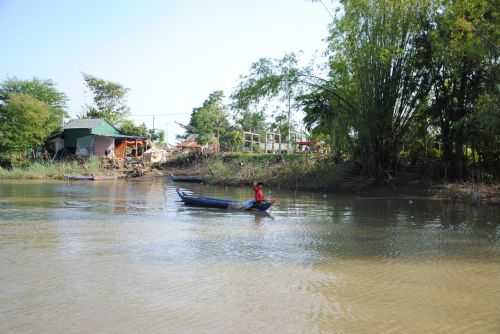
(171, 54)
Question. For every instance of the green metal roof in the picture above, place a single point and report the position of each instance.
(97, 127)
(128, 137)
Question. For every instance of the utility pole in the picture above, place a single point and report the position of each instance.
(288, 91)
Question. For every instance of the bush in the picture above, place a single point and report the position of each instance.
(53, 170)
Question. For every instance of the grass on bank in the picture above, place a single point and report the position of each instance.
(293, 171)
(53, 170)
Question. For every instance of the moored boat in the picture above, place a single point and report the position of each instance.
(79, 177)
(186, 178)
(89, 177)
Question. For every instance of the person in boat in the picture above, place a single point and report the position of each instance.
(258, 189)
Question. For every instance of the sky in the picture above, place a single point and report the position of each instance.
(171, 54)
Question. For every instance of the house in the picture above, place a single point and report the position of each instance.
(94, 137)
(190, 144)
(156, 154)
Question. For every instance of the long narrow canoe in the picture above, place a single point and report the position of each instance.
(79, 177)
(220, 203)
(183, 178)
(89, 177)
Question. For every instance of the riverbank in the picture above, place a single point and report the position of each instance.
(294, 172)
(314, 173)
(55, 170)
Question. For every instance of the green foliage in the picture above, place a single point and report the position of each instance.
(415, 73)
(420, 138)
(42, 90)
(109, 100)
(128, 127)
(384, 47)
(483, 130)
(251, 121)
(465, 71)
(157, 136)
(209, 122)
(289, 170)
(53, 170)
(231, 140)
(22, 120)
(329, 120)
(271, 80)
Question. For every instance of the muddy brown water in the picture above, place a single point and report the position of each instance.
(127, 257)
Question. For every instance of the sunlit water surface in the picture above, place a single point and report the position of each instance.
(127, 257)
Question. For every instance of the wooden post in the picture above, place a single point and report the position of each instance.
(274, 142)
(135, 140)
(279, 143)
(265, 144)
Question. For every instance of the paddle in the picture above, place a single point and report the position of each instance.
(247, 205)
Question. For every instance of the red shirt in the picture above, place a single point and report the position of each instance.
(259, 194)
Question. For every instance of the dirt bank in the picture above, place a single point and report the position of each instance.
(312, 173)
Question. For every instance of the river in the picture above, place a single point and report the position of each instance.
(127, 257)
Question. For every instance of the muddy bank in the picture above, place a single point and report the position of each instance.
(311, 173)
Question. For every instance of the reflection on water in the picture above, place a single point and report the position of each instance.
(127, 257)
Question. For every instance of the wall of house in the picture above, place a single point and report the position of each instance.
(103, 144)
(120, 148)
(55, 144)
(71, 136)
(122, 145)
(85, 146)
(58, 144)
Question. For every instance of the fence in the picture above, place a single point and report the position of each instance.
(271, 142)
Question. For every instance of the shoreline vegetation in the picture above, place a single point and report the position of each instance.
(296, 172)
(55, 170)
(304, 172)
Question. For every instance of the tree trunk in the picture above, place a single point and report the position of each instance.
(447, 149)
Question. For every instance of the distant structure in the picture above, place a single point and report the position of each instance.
(190, 144)
(94, 137)
(274, 142)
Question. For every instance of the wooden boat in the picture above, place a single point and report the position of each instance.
(104, 177)
(89, 177)
(79, 177)
(219, 203)
(181, 178)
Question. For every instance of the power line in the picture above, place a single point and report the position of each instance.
(157, 115)
(327, 9)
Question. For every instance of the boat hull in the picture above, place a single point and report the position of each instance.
(220, 203)
(191, 179)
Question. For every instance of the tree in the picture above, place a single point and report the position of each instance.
(327, 117)
(378, 78)
(251, 121)
(128, 127)
(21, 125)
(465, 70)
(42, 90)
(109, 100)
(482, 127)
(156, 135)
(209, 121)
(269, 79)
(232, 139)
(387, 51)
